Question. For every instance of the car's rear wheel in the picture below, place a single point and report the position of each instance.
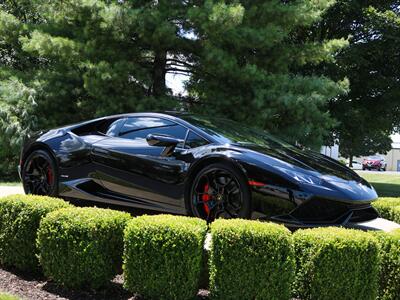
(220, 191)
(39, 174)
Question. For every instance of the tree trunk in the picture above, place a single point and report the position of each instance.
(159, 72)
(351, 160)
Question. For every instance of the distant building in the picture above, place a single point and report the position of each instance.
(331, 151)
(393, 156)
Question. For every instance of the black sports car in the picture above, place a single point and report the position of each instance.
(187, 164)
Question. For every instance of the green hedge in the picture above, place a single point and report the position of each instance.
(82, 247)
(388, 208)
(163, 256)
(336, 263)
(20, 216)
(250, 260)
(390, 265)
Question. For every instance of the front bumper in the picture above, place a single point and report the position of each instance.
(321, 212)
(371, 167)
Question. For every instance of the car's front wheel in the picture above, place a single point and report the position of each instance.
(220, 191)
(39, 174)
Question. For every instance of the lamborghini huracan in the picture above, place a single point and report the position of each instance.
(183, 163)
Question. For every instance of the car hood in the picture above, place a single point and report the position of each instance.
(307, 161)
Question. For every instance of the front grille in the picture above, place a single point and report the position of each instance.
(325, 211)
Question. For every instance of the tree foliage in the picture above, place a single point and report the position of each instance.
(370, 112)
(248, 66)
(78, 59)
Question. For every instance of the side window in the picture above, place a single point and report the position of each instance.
(113, 129)
(138, 123)
(193, 140)
(140, 128)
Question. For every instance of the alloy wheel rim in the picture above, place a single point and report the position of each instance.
(216, 194)
(38, 176)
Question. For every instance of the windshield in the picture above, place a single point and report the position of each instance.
(375, 157)
(227, 131)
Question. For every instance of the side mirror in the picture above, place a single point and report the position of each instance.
(159, 140)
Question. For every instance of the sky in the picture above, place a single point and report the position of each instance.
(175, 82)
(396, 138)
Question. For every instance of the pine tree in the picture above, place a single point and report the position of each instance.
(248, 66)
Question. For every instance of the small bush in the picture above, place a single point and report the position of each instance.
(389, 282)
(335, 263)
(163, 256)
(20, 217)
(250, 260)
(388, 208)
(82, 247)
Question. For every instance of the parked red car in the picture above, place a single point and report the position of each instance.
(375, 162)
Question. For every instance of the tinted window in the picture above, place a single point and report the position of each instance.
(134, 124)
(193, 140)
(113, 129)
(138, 132)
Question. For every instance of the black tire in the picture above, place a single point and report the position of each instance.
(39, 174)
(223, 192)
(363, 168)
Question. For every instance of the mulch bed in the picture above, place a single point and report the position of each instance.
(36, 287)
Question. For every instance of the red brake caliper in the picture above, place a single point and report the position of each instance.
(206, 198)
(49, 176)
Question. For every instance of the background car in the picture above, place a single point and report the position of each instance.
(200, 166)
(355, 165)
(375, 162)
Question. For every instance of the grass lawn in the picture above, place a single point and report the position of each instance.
(7, 297)
(386, 185)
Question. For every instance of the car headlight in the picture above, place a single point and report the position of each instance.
(302, 178)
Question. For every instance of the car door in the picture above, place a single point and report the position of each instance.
(129, 167)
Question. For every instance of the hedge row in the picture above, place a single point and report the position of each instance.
(250, 260)
(389, 279)
(82, 247)
(335, 263)
(388, 208)
(20, 217)
(163, 255)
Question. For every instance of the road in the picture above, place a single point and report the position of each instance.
(10, 190)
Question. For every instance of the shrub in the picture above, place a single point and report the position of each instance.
(388, 208)
(20, 216)
(163, 256)
(336, 263)
(82, 247)
(389, 279)
(250, 260)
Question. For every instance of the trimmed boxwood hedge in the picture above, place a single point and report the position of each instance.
(20, 216)
(82, 247)
(388, 208)
(250, 260)
(336, 263)
(163, 256)
(389, 279)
